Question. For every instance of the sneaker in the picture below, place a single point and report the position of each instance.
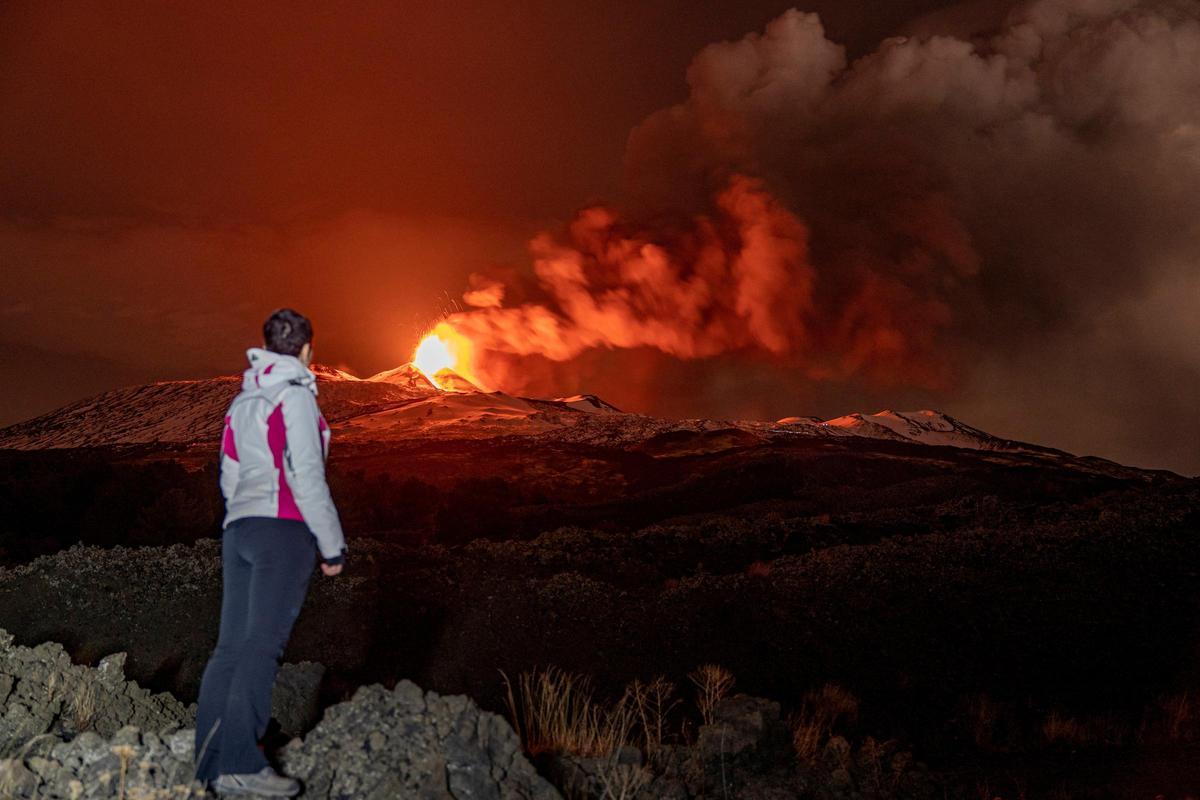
(266, 782)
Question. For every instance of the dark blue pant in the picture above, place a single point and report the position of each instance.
(267, 564)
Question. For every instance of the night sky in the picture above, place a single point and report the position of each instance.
(998, 221)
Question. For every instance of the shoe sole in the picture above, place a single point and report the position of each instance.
(243, 791)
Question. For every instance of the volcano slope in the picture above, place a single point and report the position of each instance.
(965, 594)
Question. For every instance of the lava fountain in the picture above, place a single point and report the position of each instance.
(443, 353)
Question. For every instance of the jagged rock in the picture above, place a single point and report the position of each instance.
(133, 764)
(413, 744)
(44, 693)
(17, 780)
(380, 744)
(407, 743)
(111, 669)
(620, 774)
(295, 700)
(741, 725)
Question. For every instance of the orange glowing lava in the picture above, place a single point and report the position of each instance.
(441, 349)
(433, 355)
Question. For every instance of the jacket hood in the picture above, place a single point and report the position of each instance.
(268, 368)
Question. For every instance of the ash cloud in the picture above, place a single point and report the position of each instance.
(999, 219)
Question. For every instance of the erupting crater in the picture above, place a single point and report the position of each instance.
(443, 356)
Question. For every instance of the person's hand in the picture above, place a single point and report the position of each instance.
(331, 569)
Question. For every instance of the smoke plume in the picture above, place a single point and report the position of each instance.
(1005, 212)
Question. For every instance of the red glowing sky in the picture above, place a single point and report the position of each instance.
(170, 173)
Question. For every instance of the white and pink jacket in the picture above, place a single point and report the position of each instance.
(273, 450)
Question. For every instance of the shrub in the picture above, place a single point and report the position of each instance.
(652, 703)
(818, 716)
(712, 682)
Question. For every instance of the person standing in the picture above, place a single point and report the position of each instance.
(280, 520)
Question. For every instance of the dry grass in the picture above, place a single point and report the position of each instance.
(82, 706)
(834, 703)
(880, 772)
(1180, 710)
(984, 790)
(817, 716)
(713, 682)
(983, 713)
(556, 713)
(806, 737)
(1064, 730)
(1061, 792)
(1061, 729)
(652, 702)
(125, 753)
(1170, 718)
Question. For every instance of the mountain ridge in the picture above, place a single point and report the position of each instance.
(404, 402)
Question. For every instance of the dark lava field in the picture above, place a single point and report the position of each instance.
(964, 597)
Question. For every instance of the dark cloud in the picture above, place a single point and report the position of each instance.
(1014, 183)
(169, 173)
(997, 210)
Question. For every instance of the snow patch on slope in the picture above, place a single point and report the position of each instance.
(406, 375)
(589, 403)
(925, 427)
(469, 415)
(185, 412)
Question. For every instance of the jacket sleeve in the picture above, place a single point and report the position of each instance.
(230, 466)
(304, 470)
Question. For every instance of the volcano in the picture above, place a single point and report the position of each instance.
(406, 375)
(405, 402)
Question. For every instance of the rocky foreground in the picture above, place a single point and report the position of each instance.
(70, 732)
(45, 695)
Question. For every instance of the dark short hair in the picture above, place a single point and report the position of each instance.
(287, 331)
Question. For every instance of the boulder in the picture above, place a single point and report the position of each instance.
(413, 744)
(742, 725)
(380, 744)
(131, 764)
(296, 698)
(42, 692)
(620, 774)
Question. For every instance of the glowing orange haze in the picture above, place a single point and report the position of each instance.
(738, 280)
